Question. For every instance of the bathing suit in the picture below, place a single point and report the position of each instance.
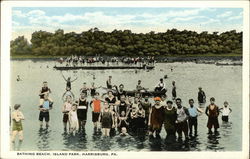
(44, 89)
(106, 120)
(82, 109)
(96, 110)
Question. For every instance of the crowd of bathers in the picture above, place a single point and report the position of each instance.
(75, 60)
(115, 111)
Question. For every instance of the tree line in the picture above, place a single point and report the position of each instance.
(126, 43)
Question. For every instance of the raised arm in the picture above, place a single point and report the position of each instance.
(63, 76)
(74, 79)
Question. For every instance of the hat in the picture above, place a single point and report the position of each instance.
(157, 98)
(16, 106)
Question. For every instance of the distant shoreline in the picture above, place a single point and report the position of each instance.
(186, 58)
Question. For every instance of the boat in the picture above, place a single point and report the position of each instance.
(101, 67)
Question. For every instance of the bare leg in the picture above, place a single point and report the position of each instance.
(47, 124)
(14, 133)
(108, 130)
(41, 124)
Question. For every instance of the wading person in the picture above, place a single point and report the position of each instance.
(111, 99)
(67, 93)
(45, 90)
(68, 81)
(17, 127)
(212, 111)
(106, 120)
(84, 89)
(73, 120)
(173, 90)
(122, 121)
(96, 110)
(44, 110)
(225, 111)
(156, 117)
(109, 83)
(82, 110)
(160, 87)
(140, 124)
(122, 105)
(120, 91)
(193, 114)
(170, 116)
(201, 96)
(146, 105)
(182, 120)
(65, 110)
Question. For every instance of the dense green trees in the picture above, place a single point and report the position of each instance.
(126, 43)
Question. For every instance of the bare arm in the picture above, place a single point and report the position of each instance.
(74, 79)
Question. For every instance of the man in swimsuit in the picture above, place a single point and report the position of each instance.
(82, 110)
(201, 96)
(45, 90)
(96, 109)
(108, 82)
(68, 81)
(160, 87)
(193, 114)
(44, 110)
(182, 120)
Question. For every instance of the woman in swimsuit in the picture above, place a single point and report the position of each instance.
(67, 106)
(106, 120)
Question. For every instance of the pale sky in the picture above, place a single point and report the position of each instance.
(26, 20)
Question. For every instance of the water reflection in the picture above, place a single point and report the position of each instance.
(213, 142)
(43, 141)
(76, 143)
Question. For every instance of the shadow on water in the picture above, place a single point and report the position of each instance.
(43, 142)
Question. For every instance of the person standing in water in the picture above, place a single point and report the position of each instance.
(82, 110)
(173, 90)
(225, 112)
(45, 90)
(170, 116)
(96, 110)
(212, 111)
(44, 110)
(193, 114)
(201, 96)
(17, 127)
(84, 88)
(120, 91)
(182, 120)
(73, 120)
(109, 83)
(106, 120)
(68, 81)
(146, 105)
(156, 117)
(65, 110)
(67, 93)
(160, 87)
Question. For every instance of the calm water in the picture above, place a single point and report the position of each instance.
(221, 82)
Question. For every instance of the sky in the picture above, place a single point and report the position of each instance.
(26, 20)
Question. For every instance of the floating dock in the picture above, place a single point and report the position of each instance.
(101, 67)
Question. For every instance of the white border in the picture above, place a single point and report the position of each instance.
(5, 71)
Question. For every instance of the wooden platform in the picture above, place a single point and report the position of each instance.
(100, 67)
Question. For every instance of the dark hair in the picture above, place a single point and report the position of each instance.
(121, 85)
(191, 100)
(178, 99)
(16, 106)
(212, 99)
(170, 102)
(45, 82)
(110, 91)
(161, 79)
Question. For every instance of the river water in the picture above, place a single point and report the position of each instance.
(221, 82)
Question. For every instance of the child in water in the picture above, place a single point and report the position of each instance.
(73, 120)
(225, 111)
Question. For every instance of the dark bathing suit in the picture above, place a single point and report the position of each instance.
(44, 89)
(106, 120)
(81, 112)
